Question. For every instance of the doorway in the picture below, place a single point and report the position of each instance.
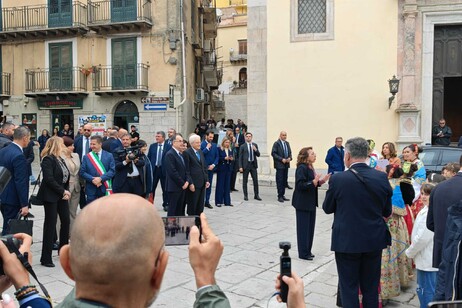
(60, 117)
(126, 114)
(452, 106)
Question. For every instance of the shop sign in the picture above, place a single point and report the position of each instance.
(97, 121)
(72, 103)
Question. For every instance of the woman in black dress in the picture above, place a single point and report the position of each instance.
(305, 200)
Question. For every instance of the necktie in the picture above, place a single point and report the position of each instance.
(285, 149)
(198, 156)
(181, 157)
(87, 145)
(159, 155)
(250, 152)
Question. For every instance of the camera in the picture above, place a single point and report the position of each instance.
(10, 242)
(132, 152)
(286, 269)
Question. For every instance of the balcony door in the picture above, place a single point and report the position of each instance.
(60, 66)
(124, 63)
(123, 10)
(59, 13)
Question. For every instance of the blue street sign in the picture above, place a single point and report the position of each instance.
(155, 107)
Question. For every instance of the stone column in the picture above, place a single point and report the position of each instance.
(257, 78)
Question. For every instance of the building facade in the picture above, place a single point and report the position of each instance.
(131, 62)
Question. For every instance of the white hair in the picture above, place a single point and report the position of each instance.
(193, 138)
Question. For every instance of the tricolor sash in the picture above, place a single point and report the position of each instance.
(98, 165)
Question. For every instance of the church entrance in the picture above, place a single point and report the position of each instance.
(447, 78)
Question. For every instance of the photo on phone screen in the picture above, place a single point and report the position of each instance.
(177, 229)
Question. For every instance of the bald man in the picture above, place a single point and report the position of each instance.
(282, 155)
(120, 262)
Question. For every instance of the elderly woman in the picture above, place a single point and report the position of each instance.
(73, 165)
(54, 192)
(305, 200)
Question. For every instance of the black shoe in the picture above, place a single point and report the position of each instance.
(257, 198)
(47, 264)
(285, 199)
(312, 255)
(166, 208)
(289, 187)
(229, 205)
(208, 205)
(218, 205)
(55, 246)
(246, 198)
(280, 199)
(307, 258)
(234, 189)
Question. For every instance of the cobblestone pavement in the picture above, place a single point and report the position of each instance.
(251, 232)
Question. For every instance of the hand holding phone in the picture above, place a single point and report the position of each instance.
(178, 229)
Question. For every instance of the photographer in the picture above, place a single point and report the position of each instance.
(15, 274)
(129, 163)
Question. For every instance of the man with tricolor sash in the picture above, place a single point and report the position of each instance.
(98, 169)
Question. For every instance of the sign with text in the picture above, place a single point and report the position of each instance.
(97, 121)
(65, 103)
(155, 107)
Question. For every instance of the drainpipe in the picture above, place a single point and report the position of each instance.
(183, 56)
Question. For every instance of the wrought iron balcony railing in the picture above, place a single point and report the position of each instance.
(56, 80)
(121, 78)
(41, 17)
(106, 12)
(5, 84)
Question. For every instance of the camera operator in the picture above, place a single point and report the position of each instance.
(129, 164)
(17, 275)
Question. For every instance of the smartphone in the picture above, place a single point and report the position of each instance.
(177, 229)
(454, 304)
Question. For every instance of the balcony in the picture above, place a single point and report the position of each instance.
(238, 58)
(5, 85)
(56, 81)
(43, 21)
(111, 16)
(127, 79)
(210, 22)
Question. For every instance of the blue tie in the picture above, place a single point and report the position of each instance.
(198, 156)
(159, 155)
(87, 146)
(181, 156)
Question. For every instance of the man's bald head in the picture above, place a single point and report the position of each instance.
(115, 240)
(122, 132)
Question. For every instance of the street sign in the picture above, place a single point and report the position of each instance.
(159, 100)
(146, 100)
(155, 107)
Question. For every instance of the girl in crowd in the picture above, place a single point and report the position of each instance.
(42, 140)
(54, 192)
(389, 152)
(421, 250)
(223, 189)
(305, 200)
(73, 164)
(373, 155)
(411, 156)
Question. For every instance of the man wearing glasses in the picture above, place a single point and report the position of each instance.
(442, 134)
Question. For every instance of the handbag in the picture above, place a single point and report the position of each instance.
(33, 199)
(20, 225)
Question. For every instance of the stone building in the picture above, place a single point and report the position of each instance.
(320, 69)
(146, 63)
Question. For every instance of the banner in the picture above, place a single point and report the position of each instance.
(98, 122)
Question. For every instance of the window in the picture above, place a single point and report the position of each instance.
(312, 20)
(242, 47)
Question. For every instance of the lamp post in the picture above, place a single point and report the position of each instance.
(394, 87)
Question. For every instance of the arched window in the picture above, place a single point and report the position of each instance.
(126, 114)
(243, 77)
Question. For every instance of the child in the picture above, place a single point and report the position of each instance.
(421, 250)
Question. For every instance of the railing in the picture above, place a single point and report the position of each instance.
(61, 79)
(126, 77)
(239, 57)
(37, 17)
(108, 11)
(5, 85)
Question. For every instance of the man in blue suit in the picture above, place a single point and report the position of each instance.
(98, 169)
(14, 198)
(156, 155)
(117, 144)
(360, 200)
(178, 178)
(334, 158)
(240, 140)
(210, 151)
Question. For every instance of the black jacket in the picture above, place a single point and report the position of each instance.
(277, 152)
(305, 197)
(5, 140)
(197, 169)
(52, 186)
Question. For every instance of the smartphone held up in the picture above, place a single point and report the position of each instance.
(177, 229)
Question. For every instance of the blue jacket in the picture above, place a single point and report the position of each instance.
(334, 159)
(17, 191)
(449, 281)
(115, 145)
(147, 176)
(88, 172)
(78, 146)
(211, 156)
(152, 154)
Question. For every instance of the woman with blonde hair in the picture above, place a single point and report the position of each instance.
(55, 195)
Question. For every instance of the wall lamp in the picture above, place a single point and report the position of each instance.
(394, 87)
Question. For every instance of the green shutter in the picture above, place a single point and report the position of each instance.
(124, 63)
(123, 10)
(59, 13)
(60, 66)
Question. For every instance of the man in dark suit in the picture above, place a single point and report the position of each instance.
(240, 140)
(14, 198)
(334, 157)
(178, 178)
(128, 170)
(195, 159)
(112, 137)
(360, 200)
(6, 135)
(210, 151)
(282, 155)
(98, 169)
(117, 144)
(171, 133)
(443, 196)
(82, 147)
(156, 156)
(248, 154)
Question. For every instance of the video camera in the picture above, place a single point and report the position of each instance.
(133, 152)
(10, 242)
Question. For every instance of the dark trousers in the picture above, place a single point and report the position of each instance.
(83, 198)
(176, 205)
(245, 176)
(305, 232)
(91, 198)
(156, 177)
(223, 189)
(195, 201)
(359, 271)
(132, 185)
(208, 191)
(52, 210)
(234, 171)
(9, 211)
(281, 181)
